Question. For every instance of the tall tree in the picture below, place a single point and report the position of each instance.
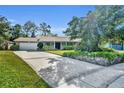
(73, 29)
(100, 24)
(15, 32)
(45, 29)
(90, 34)
(30, 29)
(4, 26)
(109, 18)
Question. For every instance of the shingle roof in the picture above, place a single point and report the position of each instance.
(56, 39)
(26, 39)
(46, 39)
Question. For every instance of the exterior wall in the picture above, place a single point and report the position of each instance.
(48, 44)
(116, 46)
(51, 45)
(63, 44)
(28, 46)
(68, 44)
(123, 46)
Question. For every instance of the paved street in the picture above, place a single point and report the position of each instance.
(65, 72)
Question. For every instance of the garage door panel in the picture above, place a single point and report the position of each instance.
(28, 46)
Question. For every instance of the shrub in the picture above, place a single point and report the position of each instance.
(1, 43)
(46, 48)
(40, 45)
(106, 55)
(14, 47)
(71, 54)
(112, 57)
(1, 48)
(68, 47)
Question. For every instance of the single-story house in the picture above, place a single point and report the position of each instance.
(56, 42)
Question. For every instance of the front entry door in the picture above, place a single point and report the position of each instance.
(57, 45)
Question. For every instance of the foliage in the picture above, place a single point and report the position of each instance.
(30, 29)
(102, 24)
(2, 43)
(73, 30)
(102, 58)
(107, 55)
(15, 73)
(15, 32)
(45, 29)
(1, 48)
(40, 45)
(4, 31)
(4, 27)
(46, 48)
(110, 21)
(68, 47)
(1, 40)
(14, 47)
(8, 32)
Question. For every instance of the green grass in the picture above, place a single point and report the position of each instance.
(119, 51)
(15, 73)
(60, 52)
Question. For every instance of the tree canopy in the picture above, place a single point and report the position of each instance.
(45, 29)
(105, 23)
(4, 26)
(29, 29)
(15, 32)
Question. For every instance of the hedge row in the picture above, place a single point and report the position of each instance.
(108, 57)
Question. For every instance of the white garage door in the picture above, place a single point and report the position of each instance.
(28, 46)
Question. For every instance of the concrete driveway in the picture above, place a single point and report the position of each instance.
(65, 72)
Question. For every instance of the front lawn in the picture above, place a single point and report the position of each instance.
(60, 52)
(15, 73)
(120, 51)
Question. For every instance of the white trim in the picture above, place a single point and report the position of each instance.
(54, 46)
(61, 45)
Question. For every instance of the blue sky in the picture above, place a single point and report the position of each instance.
(56, 16)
